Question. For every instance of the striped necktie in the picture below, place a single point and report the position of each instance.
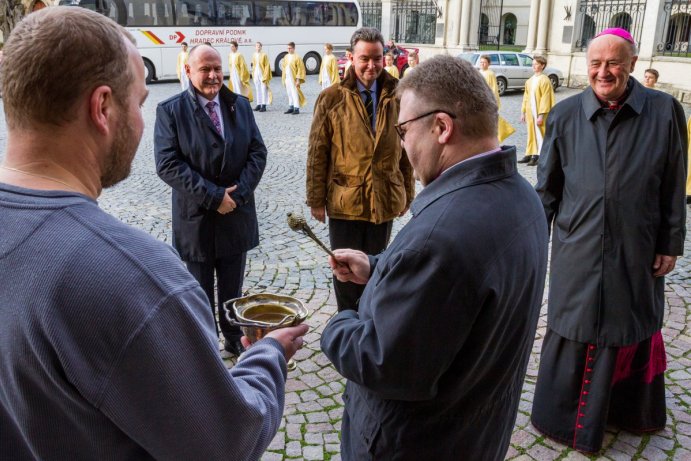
(369, 107)
(211, 105)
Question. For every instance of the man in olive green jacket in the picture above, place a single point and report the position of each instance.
(357, 172)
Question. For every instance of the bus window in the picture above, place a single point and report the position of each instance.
(138, 13)
(109, 8)
(299, 16)
(351, 15)
(163, 12)
(193, 13)
(271, 13)
(232, 13)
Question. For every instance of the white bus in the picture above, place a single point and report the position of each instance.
(160, 26)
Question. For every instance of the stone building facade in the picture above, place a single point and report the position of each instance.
(559, 29)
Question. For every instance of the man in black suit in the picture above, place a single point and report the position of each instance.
(209, 150)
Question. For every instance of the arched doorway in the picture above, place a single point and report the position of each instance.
(484, 29)
(588, 31)
(622, 20)
(38, 5)
(508, 29)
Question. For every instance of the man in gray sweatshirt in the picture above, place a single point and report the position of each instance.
(107, 344)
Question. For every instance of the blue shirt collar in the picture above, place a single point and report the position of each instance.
(361, 88)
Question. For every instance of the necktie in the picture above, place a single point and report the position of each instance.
(369, 107)
(214, 116)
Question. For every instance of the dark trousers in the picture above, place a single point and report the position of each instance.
(358, 235)
(230, 273)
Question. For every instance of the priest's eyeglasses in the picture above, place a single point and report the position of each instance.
(402, 133)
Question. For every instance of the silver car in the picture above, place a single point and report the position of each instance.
(512, 69)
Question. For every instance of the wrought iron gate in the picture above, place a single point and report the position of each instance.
(489, 31)
(371, 14)
(596, 15)
(414, 21)
(676, 35)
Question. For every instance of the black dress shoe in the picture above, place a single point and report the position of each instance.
(289, 111)
(533, 160)
(688, 199)
(258, 107)
(263, 108)
(296, 111)
(525, 159)
(234, 346)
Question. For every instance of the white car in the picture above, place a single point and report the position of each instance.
(512, 69)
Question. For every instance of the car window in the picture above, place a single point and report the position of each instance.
(493, 59)
(509, 59)
(525, 60)
(470, 57)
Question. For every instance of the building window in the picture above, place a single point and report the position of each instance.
(621, 20)
(509, 29)
(414, 21)
(594, 16)
(676, 33)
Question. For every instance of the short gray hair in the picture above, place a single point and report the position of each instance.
(44, 78)
(454, 85)
(366, 34)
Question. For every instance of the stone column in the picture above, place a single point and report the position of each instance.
(386, 19)
(466, 18)
(543, 27)
(532, 26)
(453, 19)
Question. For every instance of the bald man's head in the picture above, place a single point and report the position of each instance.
(205, 71)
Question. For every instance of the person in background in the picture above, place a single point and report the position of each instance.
(293, 76)
(389, 65)
(413, 61)
(180, 67)
(239, 78)
(650, 77)
(328, 73)
(504, 128)
(393, 49)
(261, 76)
(611, 179)
(538, 100)
(208, 149)
(349, 60)
(357, 173)
(435, 357)
(107, 343)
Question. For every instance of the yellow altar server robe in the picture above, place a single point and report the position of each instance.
(393, 71)
(330, 65)
(261, 60)
(182, 60)
(504, 128)
(298, 70)
(239, 64)
(538, 98)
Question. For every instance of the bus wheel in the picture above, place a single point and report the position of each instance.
(312, 62)
(150, 71)
(278, 67)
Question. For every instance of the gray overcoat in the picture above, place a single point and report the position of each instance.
(199, 164)
(436, 356)
(613, 189)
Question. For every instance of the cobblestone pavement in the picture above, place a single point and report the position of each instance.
(288, 263)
